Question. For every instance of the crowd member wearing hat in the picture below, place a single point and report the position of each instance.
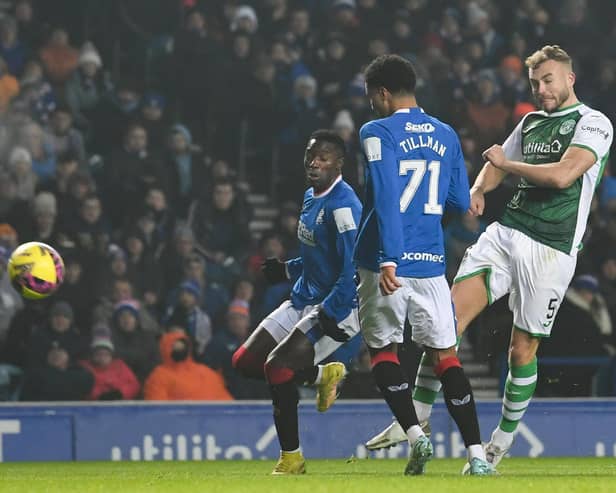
(179, 377)
(59, 331)
(187, 314)
(214, 298)
(123, 290)
(153, 118)
(113, 379)
(187, 172)
(137, 348)
(225, 342)
(84, 89)
(581, 327)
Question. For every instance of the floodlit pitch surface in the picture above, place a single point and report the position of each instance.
(555, 475)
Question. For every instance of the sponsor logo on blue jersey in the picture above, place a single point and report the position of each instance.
(305, 235)
(419, 127)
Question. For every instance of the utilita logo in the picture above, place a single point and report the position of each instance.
(193, 447)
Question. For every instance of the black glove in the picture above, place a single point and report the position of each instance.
(274, 270)
(330, 327)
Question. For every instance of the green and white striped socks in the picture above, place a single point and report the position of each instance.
(427, 387)
(519, 390)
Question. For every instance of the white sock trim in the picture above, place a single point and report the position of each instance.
(423, 410)
(414, 432)
(317, 380)
(292, 451)
(475, 452)
(502, 439)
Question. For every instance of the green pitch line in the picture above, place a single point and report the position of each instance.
(359, 476)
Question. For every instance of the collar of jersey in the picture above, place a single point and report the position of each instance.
(323, 194)
(565, 110)
(408, 110)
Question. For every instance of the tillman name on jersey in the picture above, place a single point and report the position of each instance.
(419, 141)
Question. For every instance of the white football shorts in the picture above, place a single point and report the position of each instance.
(535, 275)
(425, 302)
(281, 322)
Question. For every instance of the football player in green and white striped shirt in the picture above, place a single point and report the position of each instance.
(559, 153)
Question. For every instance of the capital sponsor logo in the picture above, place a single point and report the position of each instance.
(595, 131)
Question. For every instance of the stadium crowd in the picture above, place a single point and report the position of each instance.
(134, 150)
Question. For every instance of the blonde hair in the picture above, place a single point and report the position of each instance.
(548, 52)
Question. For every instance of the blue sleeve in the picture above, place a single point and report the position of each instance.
(458, 195)
(295, 266)
(344, 220)
(383, 180)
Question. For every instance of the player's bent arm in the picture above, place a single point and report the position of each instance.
(488, 178)
(562, 174)
(337, 304)
(458, 196)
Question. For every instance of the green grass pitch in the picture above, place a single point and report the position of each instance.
(570, 475)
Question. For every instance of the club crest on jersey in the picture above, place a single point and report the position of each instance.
(566, 127)
(419, 127)
(305, 235)
(320, 215)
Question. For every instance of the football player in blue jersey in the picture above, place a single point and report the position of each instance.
(415, 169)
(322, 312)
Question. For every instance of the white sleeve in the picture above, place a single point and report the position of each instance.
(593, 132)
(513, 144)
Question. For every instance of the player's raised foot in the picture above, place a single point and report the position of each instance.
(393, 435)
(478, 467)
(494, 454)
(421, 453)
(290, 463)
(327, 390)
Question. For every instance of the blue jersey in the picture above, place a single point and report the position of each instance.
(415, 169)
(326, 231)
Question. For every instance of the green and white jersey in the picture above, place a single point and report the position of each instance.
(551, 216)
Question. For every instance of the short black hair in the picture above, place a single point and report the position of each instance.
(394, 73)
(326, 135)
